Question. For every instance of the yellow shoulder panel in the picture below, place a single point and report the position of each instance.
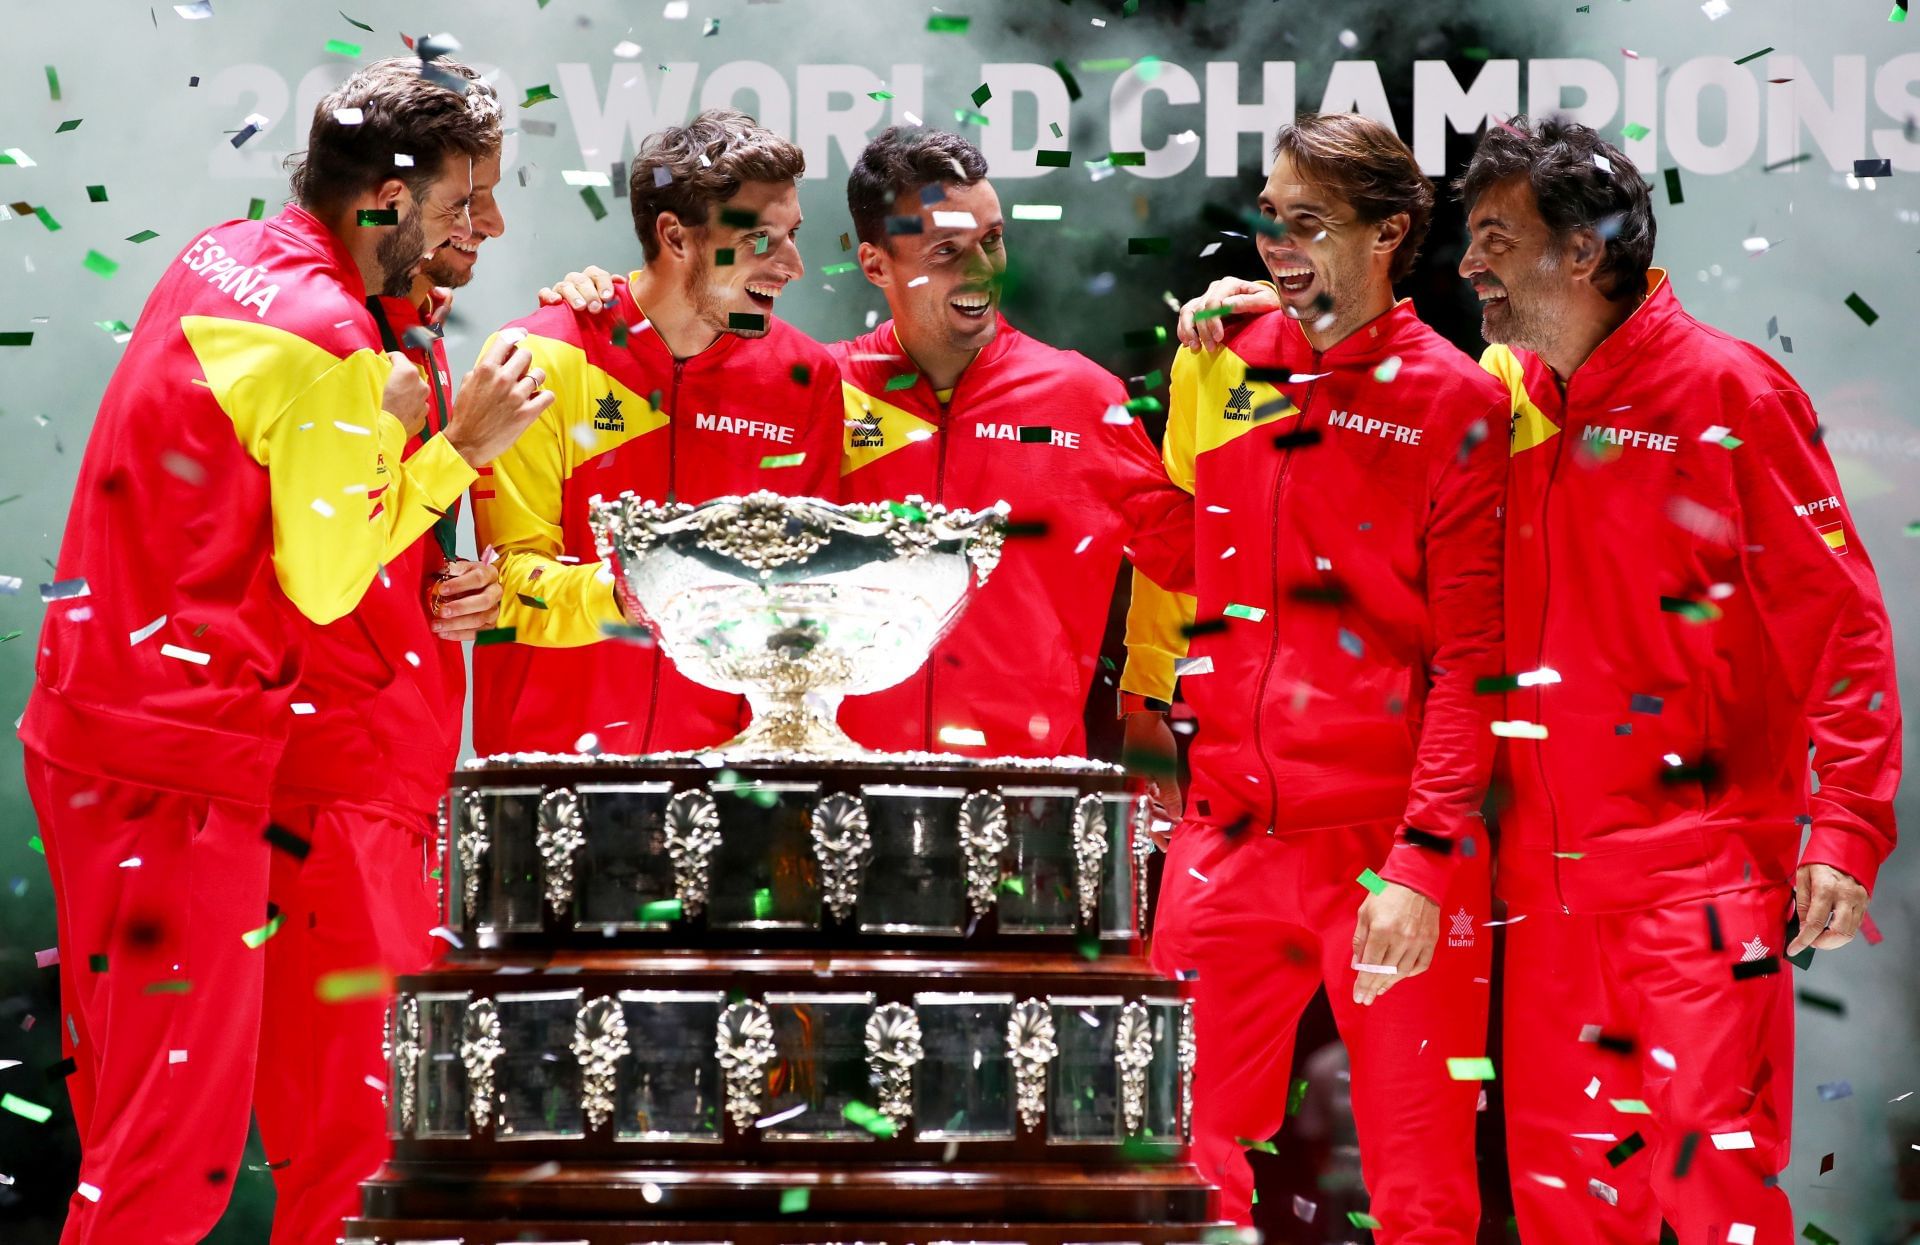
(596, 412)
(1531, 427)
(1227, 405)
(256, 370)
(876, 428)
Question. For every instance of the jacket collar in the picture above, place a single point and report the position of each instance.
(306, 228)
(1372, 341)
(647, 343)
(1628, 343)
(887, 339)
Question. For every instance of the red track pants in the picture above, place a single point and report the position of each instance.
(1708, 1054)
(1265, 921)
(362, 900)
(152, 892)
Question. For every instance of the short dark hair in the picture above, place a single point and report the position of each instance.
(403, 112)
(1369, 166)
(1579, 181)
(706, 161)
(900, 162)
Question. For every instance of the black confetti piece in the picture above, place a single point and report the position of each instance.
(282, 839)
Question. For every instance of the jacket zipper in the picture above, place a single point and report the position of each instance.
(939, 498)
(673, 480)
(1540, 652)
(1273, 612)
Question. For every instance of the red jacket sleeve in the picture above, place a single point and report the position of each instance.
(1158, 513)
(1820, 604)
(822, 436)
(1454, 757)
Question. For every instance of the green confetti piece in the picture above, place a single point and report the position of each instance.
(373, 217)
(1035, 434)
(1570, 855)
(1212, 313)
(1361, 1219)
(738, 218)
(794, 1201)
(98, 263)
(68, 126)
(834, 270)
(1053, 158)
(783, 460)
(864, 1116)
(592, 200)
(907, 510)
(1013, 885)
(1264, 1147)
(905, 380)
(981, 94)
(1297, 1096)
(1629, 1106)
(145, 235)
(1088, 945)
(496, 635)
(24, 1109)
(1674, 194)
(1913, 528)
(1145, 339)
(801, 374)
(1754, 56)
(46, 218)
(353, 22)
(660, 910)
(350, 983)
(11, 635)
(1730, 442)
(1858, 306)
(538, 95)
(1813, 1231)
(969, 116)
(1897, 16)
(53, 83)
(723, 257)
(35, 844)
(530, 601)
(436, 873)
(762, 903)
(1635, 131)
(1478, 1068)
(340, 47)
(761, 244)
(1122, 159)
(1073, 88)
(1252, 613)
(1149, 246)
(947, 24)
(880, 95)
(1477, 53)
(96, 963)
(96, 194)
(256, 208)
(1372, 881)
(169, 987)
(256, 938)
(1110, 64)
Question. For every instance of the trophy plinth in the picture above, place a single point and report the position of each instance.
(793, 602)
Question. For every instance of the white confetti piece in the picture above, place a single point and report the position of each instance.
(448, 936)
(675, 11)
(1742, 1140)
(953, 220)
(184, 654)
(918, 281)
(584, 177)
(626, 49)
(782, 1117)
(1537, 678)
(302, 709)
(1195, 873)
(1184, 666)
(176, 1056)
(1209, 249)
(1036, 211)
(355, 429)
(965, 736)
(92, 1191)
(146, 632)
(64, 590)
(131, 862)
(349, 116)
(1740, 1234)
(1518, 730)
(1593, 1088)
(9, 584)
(1082, 546)
(322, 508)
(1716, 9)
(46, 959)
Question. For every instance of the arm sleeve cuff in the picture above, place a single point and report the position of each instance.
(1427, 870)
(1854, 854)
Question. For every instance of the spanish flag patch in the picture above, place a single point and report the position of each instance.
(1835, 534)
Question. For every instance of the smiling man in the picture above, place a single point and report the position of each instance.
(1347, 472)
(680, 384)
(949, 401)
(1686, 583)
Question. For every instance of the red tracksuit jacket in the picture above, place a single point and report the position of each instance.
(1348, 565)
(1026, 424)
(630, 417)
(240, 484)
(1680, 557)
(384, 696)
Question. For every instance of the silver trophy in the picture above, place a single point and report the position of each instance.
(794, 602)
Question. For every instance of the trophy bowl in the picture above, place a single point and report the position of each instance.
(795, 602)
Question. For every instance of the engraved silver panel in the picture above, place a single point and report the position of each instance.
(744, 1044)
(1142, 830)
(599, 1043)
(479, 1048)
(471, 847)
(1031, 1046)
(843, 846)
(983, 837)
(1089, 853)
(1132, 1052)
(893, 1051)
(406, 1060)
(1189, 1053)
(693, 832)
(559, 836)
